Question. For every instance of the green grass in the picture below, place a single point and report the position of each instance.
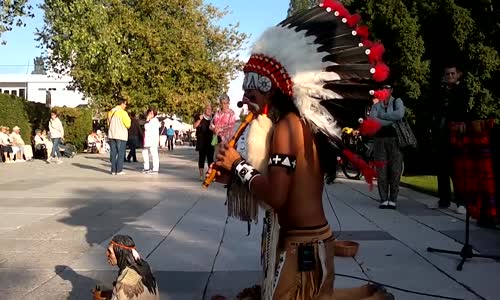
(425, 184)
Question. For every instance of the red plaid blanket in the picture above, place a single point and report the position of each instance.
(472, 169)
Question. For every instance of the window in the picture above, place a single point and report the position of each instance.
(13, 92)
(52, 89)
(41, 89)
(6, 92)
(22, 93)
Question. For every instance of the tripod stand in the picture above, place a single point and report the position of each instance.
(466, 251)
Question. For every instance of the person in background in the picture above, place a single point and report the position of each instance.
(204, 140)
(451, 106)
(223, 122)
(151, 142)
(386, 149)
(170, 138)
(135, 135)
(56, 130)
(135, 279)
(48, 143)
(6, 145)
(17, 141)
(119, 122)
(163, 135)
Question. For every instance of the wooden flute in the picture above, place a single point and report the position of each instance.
(232, 143)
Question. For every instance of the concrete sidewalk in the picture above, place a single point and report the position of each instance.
(56, 221)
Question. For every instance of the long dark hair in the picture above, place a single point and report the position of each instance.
(327, 152)
(125, 258)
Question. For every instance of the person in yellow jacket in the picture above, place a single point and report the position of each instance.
(119, 123)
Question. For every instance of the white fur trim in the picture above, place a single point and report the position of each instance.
(258, 142)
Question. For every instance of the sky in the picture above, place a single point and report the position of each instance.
(254, 16)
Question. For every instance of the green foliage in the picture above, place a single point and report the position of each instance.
(77, 124)
(39, 116)
(12, 13)
(161, 53)
(422, 36)
(13, 113)
(299, 5)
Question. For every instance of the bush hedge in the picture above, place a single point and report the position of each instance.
(13, 112)
(29, 116)
(77, 124)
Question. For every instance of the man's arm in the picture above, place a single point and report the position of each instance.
(397, 114)
(273, 189)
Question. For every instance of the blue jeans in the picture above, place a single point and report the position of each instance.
(117, 154)
(55, 148)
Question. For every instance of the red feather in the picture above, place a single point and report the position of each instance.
(381, 95)
(381, 72)
(376, 53)
(367, 43)
(368, 172)
(353, 20)
(369, 127)
(362, 32)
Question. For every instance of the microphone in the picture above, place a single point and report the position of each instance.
(240, 104)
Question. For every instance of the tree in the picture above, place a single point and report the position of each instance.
(422, 36)
(12, 13)
(299, 5)
(161, 53)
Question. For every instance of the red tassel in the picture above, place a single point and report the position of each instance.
(368, 172)
(381, 72)
(353, 20)
(363, 32)
(369, 127)
(376, 53)
(382, 95)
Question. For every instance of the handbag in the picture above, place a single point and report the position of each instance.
(404, 134)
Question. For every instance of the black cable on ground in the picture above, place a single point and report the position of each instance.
(399, 289)
(215, 259)
(337, 217)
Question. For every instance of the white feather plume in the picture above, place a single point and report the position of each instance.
(304, 64)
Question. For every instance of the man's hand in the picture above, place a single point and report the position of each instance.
(375, 101)
(226, 157)
(223, 176)
(201, 117)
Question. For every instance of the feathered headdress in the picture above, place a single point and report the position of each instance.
(318, 56)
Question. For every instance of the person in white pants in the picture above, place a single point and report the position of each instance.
(151, 142)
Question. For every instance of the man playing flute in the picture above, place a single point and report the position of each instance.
(295, 70)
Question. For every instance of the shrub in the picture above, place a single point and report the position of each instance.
(13, 113)
(77, 124)
(39, 115)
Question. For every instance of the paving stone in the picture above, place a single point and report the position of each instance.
(444, 223)
(10, 221)
(364, 235)
(398, 265)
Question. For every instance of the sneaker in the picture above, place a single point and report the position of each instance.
(121, 173)
(59, 161)
(153, 172)
(391, 205)
(461, 210)
(384, 205)
(146, 171)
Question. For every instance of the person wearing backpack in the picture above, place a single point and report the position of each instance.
(386, 148)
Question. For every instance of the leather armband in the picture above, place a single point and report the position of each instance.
(245, 171)
(289, 162)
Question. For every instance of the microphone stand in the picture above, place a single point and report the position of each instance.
(467, 250)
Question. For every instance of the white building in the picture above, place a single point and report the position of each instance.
(53, 90)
